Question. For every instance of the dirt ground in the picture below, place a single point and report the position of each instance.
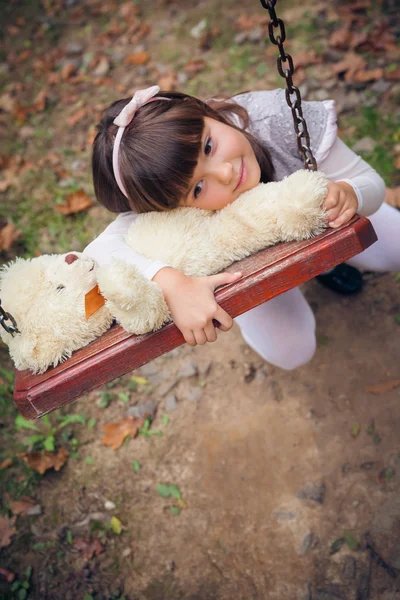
(290, 480)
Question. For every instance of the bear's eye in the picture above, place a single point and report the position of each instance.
(60, 287)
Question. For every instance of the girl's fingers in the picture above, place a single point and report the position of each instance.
(210, 333)
(189, 337)
(343, 218)
(333, 215)
(200, 337)
(224, 319)
(223, 279)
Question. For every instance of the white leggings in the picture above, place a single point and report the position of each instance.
(282, 331)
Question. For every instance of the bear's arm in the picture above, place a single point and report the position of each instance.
(201, 242)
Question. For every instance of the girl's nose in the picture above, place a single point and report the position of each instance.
(224, 172)
(70, 258)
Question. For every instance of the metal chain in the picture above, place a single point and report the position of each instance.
(4, 316)
(294, 103)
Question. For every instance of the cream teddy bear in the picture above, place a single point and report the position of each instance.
(48, 296)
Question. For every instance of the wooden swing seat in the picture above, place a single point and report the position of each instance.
(266, 274)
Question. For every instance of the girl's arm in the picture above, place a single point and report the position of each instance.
(111, 244)
(190, 300)
(342, 165)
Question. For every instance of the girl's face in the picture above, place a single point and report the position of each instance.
(227, 167)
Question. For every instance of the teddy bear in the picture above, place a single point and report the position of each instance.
(63, 302)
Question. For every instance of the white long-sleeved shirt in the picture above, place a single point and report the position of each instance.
(335, 159)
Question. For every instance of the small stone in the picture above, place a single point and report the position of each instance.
(26, 132)
(195, 394)
(102, 68)
(240, 38)
(108, 505)
(249, 372)
(306, 544)
(346, 468)
(167, 386)
(284, 515)
(256, 35)
(141, 410)
(367, 465)
(349, 569)
(275, 390)
(73, 48)
(198, 29)
(34, 510)
(205, 369)
(331, 592)
(126, 552)
(182, 78)
(170, 566)
(188, 370)
(321, 94)
(170, 403)
(314, 491)
(149, 369)
(366, 144)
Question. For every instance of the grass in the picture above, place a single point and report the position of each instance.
(370, 122)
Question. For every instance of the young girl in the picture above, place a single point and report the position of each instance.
(163, 150)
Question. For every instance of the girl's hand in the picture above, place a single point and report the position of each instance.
(192, 303)
(341, 203)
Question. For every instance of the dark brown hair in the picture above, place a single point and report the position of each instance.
(159, 151)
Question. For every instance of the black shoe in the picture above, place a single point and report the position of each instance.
(343, 279)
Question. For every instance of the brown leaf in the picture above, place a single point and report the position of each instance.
(351, 63)
(392, 196)
(195, 65)
(76, 117)
(382, 387)
(393, 75)
(48, 460)
(167, 82)
(68, 70)
(340, 38)
(7, 462)
(137, 58)
(115, 433)
(368, 75)
(304, 58)
(8, 575)
(75, 202)
(22, 506)
(88, 548)
(8, 235)
(7, 530)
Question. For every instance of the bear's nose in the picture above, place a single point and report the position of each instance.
(70, 258)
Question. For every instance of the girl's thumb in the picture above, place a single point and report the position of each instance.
(224, 278)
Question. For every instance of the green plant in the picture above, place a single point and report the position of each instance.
(45, 439)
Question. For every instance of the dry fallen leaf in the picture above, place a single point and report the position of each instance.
(8, 235)
(137, 58)
(88, 548)
(8, 575)
(167, 82)
(22, 506)
(48, 460)
(7, 462)
(75, 202)
(76, 117)
(351, 63)
(115, 433)
(382, 387)
(7, 530)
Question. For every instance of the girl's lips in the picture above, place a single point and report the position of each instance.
(243, 174)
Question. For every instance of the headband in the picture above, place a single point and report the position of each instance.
(126, 115)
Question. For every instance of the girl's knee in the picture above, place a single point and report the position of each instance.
(299, 353)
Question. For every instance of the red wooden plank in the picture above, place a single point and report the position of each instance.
(266, 274)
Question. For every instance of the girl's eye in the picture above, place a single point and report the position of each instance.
(197, 189)
(60, 287)
(208, 147)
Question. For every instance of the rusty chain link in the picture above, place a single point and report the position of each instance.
(5, 316)
(294, 102)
